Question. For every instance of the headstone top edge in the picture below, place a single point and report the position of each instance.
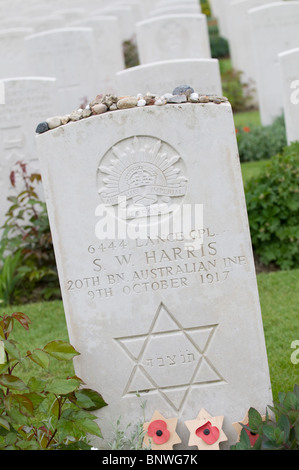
(76, 117)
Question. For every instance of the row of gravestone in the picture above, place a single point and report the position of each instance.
(61, 69)
(264, 45)
(85, 58)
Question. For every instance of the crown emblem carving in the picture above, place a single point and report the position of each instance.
(144, 170)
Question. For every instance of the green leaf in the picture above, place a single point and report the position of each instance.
(22, 319)
(284, 424)
(2, 335)
(35, 398)
(290, 401)
(255, 419)
(28, 445)
(89, 426)
(36, 384)
(12, 349)
(25, 404)
(2, 353)
(244, 443)
(12, 382)
(78, 445)
(269, 432)
(11, 438)
(61, 350)
(62, 386)
(4, 424)
(40, 357)
(89, 399)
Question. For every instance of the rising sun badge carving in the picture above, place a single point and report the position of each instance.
(143, 171)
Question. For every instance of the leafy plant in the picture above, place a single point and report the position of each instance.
(273, 210)
(261, 142)
(11, 275)
(39, 414)
(219, 45)
(205, 7)
(27, 237)
(130, 438)
(239, 94)
(280, 432)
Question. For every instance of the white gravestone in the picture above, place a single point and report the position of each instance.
(274, 29)
(220, 10)
(240, 44)
(175, 317)
(201, 74)
(176, 9)
(289, 68)
(13, 53)
(173, 37)
(27, 101)
(127, 17)
(109, 54)
(36, 23)
(67, 54)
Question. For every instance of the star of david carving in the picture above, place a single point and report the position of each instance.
(169, 359)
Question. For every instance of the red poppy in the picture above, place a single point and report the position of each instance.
(208, 433)
(246, 129)
(158, 431)
(252, 436)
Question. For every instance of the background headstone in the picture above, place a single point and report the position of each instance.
(67, 54)
(240, 42)
(176, 318)
(27, 102)
(13, 61)
(173, 37)
(274, 29)
(201, 74)
(289, 68)
(109, 55)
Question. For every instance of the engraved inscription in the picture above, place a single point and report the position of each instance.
(141, 266)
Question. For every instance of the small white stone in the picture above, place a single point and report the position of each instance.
(194, 97)
(167, 95)
(141, 103)
(160, 101)
(139, 96)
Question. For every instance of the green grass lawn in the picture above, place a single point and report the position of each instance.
(279, 296)
(252, 169)
(247, 119)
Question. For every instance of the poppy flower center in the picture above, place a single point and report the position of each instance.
(206, 432)
(159, 432)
